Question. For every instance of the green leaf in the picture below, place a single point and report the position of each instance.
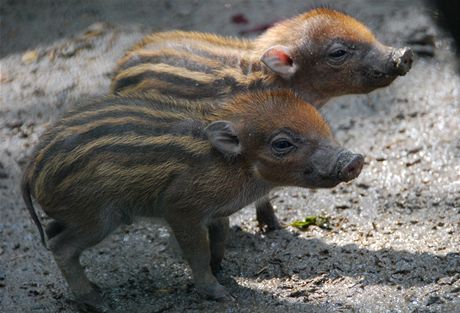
(320, 221)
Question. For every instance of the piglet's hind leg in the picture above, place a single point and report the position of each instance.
(67, 246)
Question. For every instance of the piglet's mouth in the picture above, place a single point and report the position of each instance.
(398, 64)
(378, 74)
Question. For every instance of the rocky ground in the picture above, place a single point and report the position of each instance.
(394, 240)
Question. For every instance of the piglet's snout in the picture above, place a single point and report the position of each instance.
(349, 166)
(401, 60)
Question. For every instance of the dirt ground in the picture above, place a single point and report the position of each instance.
(395, 238)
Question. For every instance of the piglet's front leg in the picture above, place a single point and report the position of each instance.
(218, 232)
(194, 242)
(266, 216)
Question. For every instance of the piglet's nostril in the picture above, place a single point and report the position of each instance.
(402, 60)
(352, 168)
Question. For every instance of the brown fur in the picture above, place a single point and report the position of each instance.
(320, 24)
(223, 57)
(101, 166)
(210, 68)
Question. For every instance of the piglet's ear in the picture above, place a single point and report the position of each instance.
(279, 60)
(223, 137)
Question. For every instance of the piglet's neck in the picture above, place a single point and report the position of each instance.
(261, 77)
(238, 190)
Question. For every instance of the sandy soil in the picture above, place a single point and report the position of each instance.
(395, 238)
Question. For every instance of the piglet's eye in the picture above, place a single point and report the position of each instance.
(282, 146)
(338, 53)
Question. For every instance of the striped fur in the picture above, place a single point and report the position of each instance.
(128, 135)
(189, 65)
(140, 142)
(197, 66)
(121, 157)
(210, 69)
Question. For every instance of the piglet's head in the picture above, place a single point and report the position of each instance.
(326, 53)
(283, 140)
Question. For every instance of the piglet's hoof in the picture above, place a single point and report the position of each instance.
(92, 303)
(268, 224)
(216, 267)
(275, 225)
(215, 292)
(88, 308)
(266, 216)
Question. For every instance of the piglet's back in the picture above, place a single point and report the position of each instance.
(189, 65)
(116, 146)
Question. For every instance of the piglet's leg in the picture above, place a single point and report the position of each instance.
(194, 242)
(266, 214)
(218, 231)
(67, 246)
